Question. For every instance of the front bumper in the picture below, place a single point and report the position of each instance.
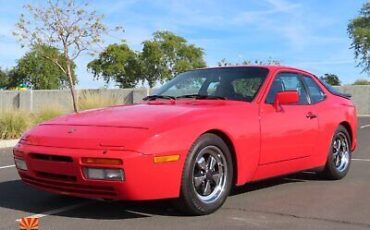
(60, 170)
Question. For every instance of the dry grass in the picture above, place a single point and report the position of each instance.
(92, 100)
(13, 124)
(47, 114)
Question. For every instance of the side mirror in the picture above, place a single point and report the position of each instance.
(289, 97)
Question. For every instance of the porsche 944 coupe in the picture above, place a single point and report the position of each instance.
(203, 132)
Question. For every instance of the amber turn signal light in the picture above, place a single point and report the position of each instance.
(167, 158)
(101, 161)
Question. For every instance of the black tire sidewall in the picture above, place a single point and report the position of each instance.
(189, 198)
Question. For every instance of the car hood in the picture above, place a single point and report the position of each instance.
(118, 127)
(141, 116)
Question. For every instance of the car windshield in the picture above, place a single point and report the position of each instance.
(230, 83)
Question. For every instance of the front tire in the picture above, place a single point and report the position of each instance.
(339, 158)
(207, 176)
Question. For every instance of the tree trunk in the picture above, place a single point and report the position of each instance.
(71, 85)
(70, 77)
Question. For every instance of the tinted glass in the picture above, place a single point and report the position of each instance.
(314, 90)
(332, 90)
(189, 85)
(247, 87)
(233, 83)
(284, 82)
(328, 86)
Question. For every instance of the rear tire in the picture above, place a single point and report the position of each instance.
(207, 176)
(339, 157)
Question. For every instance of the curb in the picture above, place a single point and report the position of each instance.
(8, 143)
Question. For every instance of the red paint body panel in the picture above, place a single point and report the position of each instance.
(141, 175)
(265, 142)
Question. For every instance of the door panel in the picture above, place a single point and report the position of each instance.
(289, 132)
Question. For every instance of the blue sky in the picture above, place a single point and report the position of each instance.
(308, 34)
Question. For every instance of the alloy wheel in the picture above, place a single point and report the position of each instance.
(209, 174)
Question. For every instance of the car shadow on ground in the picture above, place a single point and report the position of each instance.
(293, 178)
(15, 195)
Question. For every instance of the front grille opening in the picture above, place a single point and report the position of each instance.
(56, 176)
(72, 188)
(46, 157)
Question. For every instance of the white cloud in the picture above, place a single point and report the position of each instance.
(111, 7)
(273, 7)
(291, 22)
(283, 6)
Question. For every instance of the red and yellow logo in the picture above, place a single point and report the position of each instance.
(29, 223)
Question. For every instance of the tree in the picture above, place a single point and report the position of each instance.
(4, 79)
(35, 70)
(153, 67)
(269, 61)
(331, 79)
(224, 63)
(167, 55)
(118, 63)
(9, 79)
(64, 24)
(162, 57)
(359, 31)
(361, 82)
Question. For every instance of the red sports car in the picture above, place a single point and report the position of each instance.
(200, 134)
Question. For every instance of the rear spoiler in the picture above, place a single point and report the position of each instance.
(344, 95)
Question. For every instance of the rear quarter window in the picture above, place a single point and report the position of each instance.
(332, 90)
(314, 90)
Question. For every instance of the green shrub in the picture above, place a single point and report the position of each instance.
(361, 82)
(13, 124)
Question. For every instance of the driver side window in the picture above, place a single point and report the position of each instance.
(284, 82)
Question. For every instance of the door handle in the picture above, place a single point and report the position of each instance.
(310, 115)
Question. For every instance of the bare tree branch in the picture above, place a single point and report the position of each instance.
(55, 62)
(65, 25)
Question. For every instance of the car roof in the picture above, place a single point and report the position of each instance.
(270, 67)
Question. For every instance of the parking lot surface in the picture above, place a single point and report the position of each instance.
(300, 201)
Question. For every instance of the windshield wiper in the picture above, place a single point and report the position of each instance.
(199, 96)
(153, 97)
